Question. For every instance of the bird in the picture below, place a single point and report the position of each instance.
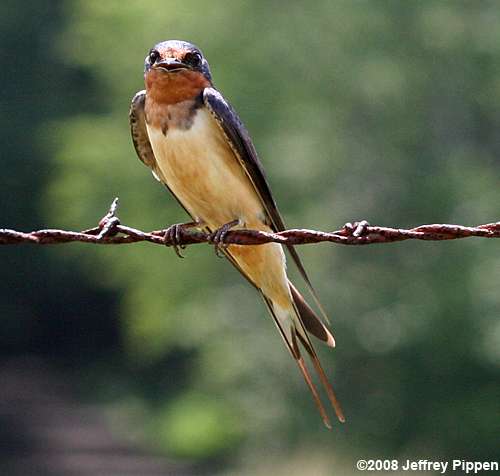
(195, 144)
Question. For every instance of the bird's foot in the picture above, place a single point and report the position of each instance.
(357, 228)
(219, 235)
(173, 238)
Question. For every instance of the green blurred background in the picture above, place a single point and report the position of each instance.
(387, 111)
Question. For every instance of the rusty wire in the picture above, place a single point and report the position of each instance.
(111, 232)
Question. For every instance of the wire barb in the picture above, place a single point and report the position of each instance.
(111, 232)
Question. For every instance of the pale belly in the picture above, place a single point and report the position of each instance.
(202, 171)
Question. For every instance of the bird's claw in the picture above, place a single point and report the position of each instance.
(357, 228)
(219, 236)
(172, 237)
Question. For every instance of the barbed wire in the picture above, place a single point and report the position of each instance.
(111, 232)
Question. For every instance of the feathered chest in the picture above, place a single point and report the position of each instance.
(197, 163)
(167, 117)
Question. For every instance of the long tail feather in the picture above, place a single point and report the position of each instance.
(312, 387)
(324, 379)
(292, 345)
(308, 320)
(306, 342)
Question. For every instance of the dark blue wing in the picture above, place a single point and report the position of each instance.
(245, 152)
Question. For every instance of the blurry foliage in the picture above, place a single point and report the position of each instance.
(386, 111)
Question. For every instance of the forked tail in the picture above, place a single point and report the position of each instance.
(294, 323)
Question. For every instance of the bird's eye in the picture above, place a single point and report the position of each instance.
(192, 58)
(154, 55)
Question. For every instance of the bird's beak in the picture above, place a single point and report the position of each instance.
(170, 64)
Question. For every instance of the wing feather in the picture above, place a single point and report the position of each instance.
(242, 146)
(137, 119)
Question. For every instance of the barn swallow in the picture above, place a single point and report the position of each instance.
(195, 144)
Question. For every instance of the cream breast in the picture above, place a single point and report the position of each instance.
(201, 169)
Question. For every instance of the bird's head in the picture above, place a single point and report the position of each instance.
(174, 56)
(176, 70)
